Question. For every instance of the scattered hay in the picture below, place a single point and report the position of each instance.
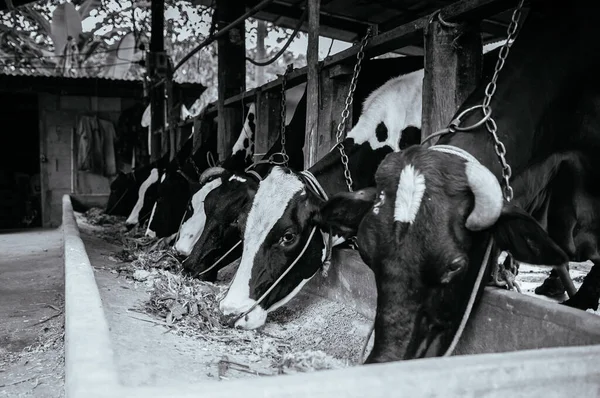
(308, 361)
(116, 232)
(190, 308)
(96, 216)
(158, 259)
(50, 340)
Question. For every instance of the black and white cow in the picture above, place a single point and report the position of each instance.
(281, 216)
(285, 211)
(241, 157)
(226, 193)
(148, 189)
(177, 183)
(226, 206)
(124, 188)
(426, 228)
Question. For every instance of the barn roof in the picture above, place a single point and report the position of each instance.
(92, 86)
(347, 20)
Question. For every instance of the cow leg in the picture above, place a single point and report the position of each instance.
(588, 294)
(563, 274)
(552, 285)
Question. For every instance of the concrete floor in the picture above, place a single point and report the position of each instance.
(31, 284)
(31, 313)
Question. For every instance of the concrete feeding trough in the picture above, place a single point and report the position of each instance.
(513, 344)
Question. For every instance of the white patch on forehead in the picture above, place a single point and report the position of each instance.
(135, 213)
(398, 104)
(272, 198)
(190, 231)
(237, 178)
(411, 188)
(150, 232)
(245, 133)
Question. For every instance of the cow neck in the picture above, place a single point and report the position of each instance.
(530, 82)
(362, 161)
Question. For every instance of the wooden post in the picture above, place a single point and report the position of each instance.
(335, 83)
(268, 123)
(453, 63)
(312, 85)
(261, 33)
(231, 73)
(157, 70)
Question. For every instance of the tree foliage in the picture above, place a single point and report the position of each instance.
(89, 38)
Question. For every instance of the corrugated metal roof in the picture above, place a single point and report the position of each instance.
(50, 73)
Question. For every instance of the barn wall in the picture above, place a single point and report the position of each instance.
(58, 117)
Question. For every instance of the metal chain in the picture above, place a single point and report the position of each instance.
(489, 93)
(288, 70)
(191, 160)
(346, 112)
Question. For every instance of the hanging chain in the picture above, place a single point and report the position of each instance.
(346, 112)
(490, 123)
(489, 93)
(198, 173)
(289, 69)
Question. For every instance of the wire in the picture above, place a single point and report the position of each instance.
(287, 44)
(330, 47)
(222, 32)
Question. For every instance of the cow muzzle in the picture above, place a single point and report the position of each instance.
(235, 315)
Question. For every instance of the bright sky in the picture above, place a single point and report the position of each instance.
(197, 24)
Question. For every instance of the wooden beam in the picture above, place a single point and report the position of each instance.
(392, 40)
(268, 123)
(334, 89)
(312, 85)
(231, 73)
(453, 62)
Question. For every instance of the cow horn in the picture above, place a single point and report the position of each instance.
(488, 196)
(210, 172)
(485, 188)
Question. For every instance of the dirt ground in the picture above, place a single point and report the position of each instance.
(31, 310)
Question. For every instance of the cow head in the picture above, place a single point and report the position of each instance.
(145, 199)
(225, 209)
(425, 235)
(195, 216)
(173, 194)
(123, 191)
(276, 230)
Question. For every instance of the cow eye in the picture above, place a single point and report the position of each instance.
(288, 238)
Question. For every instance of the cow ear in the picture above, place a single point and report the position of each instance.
(344, 211)
(518, 233)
